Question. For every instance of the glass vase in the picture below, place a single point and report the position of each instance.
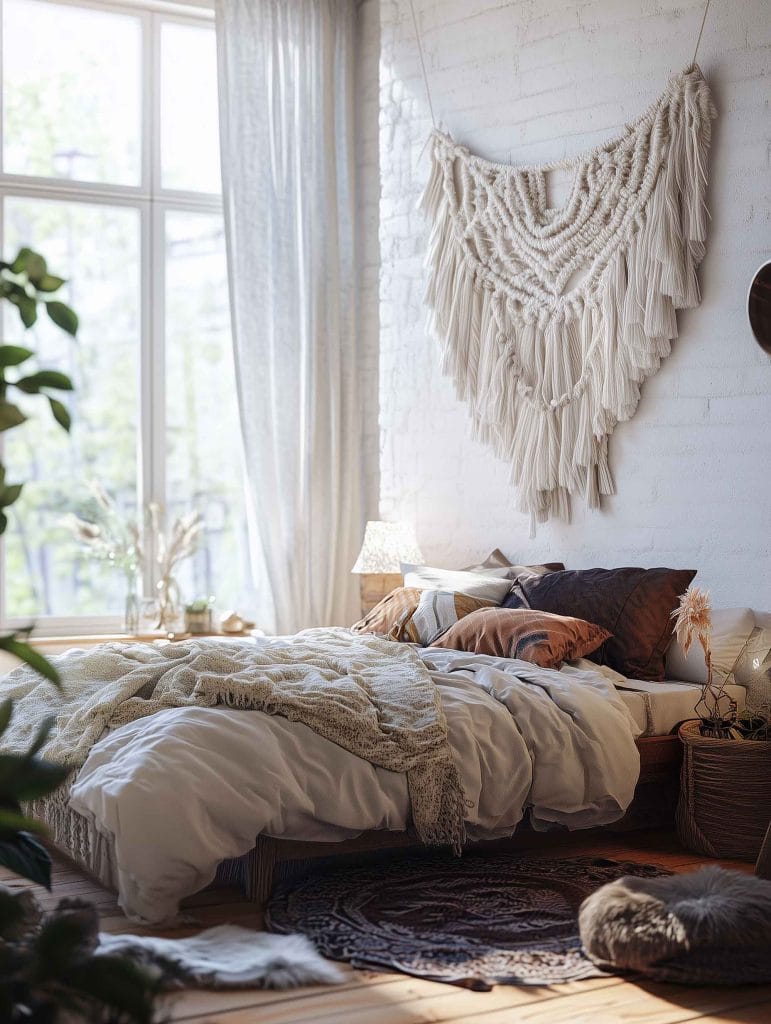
(131, 608)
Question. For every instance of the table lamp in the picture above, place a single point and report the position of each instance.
(385, 547)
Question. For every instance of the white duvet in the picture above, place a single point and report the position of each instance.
(178, 792)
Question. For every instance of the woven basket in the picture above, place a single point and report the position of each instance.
(725, 794)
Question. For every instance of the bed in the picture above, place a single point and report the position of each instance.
(657, 708)
(163, 803)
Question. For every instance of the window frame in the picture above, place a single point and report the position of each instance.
(152, 201)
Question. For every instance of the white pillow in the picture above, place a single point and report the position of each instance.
(487, 585)
(731, 630)
(753, 668)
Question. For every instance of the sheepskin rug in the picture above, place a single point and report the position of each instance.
(228, 957)
(711, 926)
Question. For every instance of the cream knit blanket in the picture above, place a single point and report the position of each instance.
(373, 697)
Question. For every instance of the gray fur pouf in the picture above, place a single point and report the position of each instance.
(708, 927)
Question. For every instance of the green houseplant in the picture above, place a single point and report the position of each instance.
(27, 284)
(49, 968)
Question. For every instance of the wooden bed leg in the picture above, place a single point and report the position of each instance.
(259, 881)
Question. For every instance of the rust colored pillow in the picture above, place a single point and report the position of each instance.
(633, 604)
(540, 637)
(418, 616)
(395, 608)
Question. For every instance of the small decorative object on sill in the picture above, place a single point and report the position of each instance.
(199, 616)
(385, 547)
(110, 537)
(234, 624)
(725, 782)
(172, 547)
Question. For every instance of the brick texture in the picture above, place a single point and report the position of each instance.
(535, 80)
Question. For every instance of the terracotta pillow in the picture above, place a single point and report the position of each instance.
(418, 616)
(395, 608)
(540, 637)
(634, 605)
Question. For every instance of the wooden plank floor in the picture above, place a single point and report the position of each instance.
(372, 998)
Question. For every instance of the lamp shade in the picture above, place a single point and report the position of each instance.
(386, 546)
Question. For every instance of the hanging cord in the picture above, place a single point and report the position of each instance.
(422, 62)
(701, 31)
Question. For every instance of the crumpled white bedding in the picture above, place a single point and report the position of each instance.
(178, 792)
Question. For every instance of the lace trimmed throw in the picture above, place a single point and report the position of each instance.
(548, 366)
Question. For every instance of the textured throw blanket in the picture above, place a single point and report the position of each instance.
(371, 696)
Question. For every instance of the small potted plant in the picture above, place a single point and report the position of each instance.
(198, 616)
(725, 783)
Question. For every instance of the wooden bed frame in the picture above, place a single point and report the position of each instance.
(653, 806)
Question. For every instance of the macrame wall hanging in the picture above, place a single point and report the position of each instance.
(547, 364)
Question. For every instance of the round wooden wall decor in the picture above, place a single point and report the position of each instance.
(759, 307)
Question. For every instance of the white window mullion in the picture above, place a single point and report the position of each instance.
(146, 440)
(155, 371)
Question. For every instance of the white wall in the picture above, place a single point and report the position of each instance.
(534, 80)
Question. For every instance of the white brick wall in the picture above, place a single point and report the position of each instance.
(534, 80)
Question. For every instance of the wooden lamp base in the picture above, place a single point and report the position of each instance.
(374, 586)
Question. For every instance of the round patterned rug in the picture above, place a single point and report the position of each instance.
(475, 921)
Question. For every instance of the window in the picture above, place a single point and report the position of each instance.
(109, 166)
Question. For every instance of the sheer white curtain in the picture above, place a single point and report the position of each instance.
(286, 92)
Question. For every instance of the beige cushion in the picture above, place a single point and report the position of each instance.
(489, 586)
(753, 669)
(731, 630)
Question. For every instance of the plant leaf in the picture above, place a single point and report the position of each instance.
(10, 416)
(61, 413)
(33, 779)
(19, 264)
(3, 523)
(63, 317)
(9, 494)
(44, 379)
(12, 821)
(49, 283)
(12, 355)
(27, 857)
(30, 657)
(6, 713)
(27, 308)
(118, 984)
(36, 267)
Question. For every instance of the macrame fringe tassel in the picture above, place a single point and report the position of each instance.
(547, 389)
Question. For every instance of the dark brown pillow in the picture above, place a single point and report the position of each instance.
(634, 605)
(540, 637)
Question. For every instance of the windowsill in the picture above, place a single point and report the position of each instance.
(60, 644)
(91, 639)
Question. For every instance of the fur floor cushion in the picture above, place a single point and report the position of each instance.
(711, 926)
(228, 957)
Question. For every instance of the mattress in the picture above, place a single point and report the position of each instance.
(659, 707)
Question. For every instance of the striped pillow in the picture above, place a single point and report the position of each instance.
(418, 616)
(437, 610)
